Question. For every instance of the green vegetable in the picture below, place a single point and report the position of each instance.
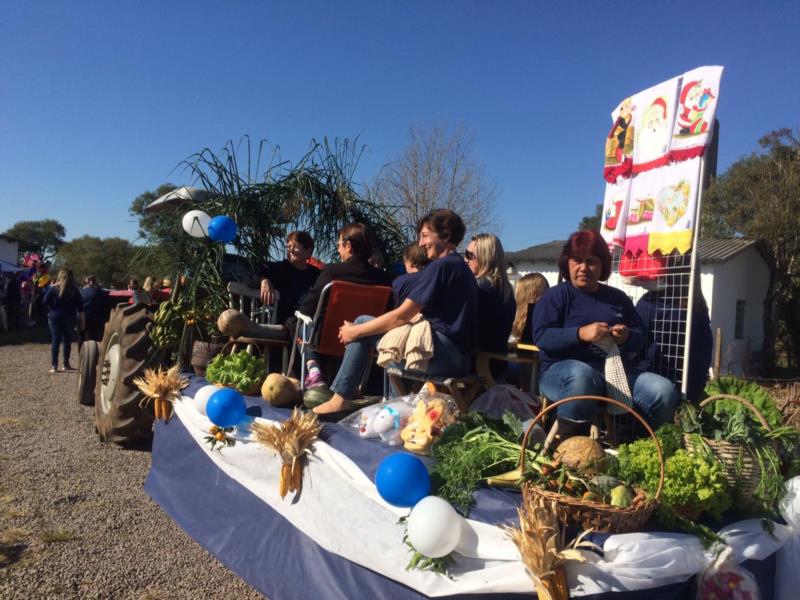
(470, 450)
(758, 396)
(690, 480)
(621, 496)
(240, 370)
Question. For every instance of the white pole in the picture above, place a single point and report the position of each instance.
(692, 274)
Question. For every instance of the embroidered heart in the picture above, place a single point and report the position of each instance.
(673, 201)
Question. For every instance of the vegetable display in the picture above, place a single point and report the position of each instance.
(240, 370)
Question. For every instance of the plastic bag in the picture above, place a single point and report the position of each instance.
(726, 580)
(432, 413)
(383, 420)
(501, 398)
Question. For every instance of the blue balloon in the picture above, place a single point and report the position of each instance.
(226, 407)
(222, 229)
(402, 479)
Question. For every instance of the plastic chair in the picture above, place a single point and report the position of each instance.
(341, 301)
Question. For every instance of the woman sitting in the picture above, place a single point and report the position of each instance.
(529, 290)
(570, 321)
(291, 277)
(355, 246)
(444, 292)
(496, 307)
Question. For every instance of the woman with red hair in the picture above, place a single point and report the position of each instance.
(572, 321)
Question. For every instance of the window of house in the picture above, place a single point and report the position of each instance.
(738, 331)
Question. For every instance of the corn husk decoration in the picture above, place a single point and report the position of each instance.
(219, 437)
(163, 388)
(540, 541)
(291, 440)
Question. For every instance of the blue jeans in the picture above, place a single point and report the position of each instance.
(60, 333)
(654, 396)
(447, 359)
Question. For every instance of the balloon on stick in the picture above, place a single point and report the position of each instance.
(222, 229)
(402, 479)
(202, 395)
(434, 527)
(226, 407)
(195, 223)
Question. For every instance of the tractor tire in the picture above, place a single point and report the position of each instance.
(87, 372)
(120, 413)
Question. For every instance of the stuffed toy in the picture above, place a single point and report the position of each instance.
(425, 425)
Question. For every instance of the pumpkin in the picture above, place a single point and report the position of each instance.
(232, 322)
(280, 390)
(582, 453)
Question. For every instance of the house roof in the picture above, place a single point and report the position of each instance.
(711, 250)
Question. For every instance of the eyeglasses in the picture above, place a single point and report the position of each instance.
(469, 255)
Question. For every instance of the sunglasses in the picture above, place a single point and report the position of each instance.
(469, 255)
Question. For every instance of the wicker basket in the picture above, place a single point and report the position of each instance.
(741, 468)
(587, 514)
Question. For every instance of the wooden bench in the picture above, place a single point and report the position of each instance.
(462, 389)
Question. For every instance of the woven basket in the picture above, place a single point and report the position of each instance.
(598, 516)
(741, 468)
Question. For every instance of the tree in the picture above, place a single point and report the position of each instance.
(110, 259)
(160, 231)
(758, 197)
(437, 169)
(43, 237)
(593, 222)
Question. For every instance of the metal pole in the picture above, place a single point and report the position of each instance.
(692, 275)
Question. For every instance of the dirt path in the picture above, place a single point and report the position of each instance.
(74, 519)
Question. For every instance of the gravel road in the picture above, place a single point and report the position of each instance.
(74, 519)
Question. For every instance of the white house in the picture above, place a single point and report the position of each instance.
(9, 251)
(734, 276)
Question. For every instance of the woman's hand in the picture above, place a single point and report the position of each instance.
(620, 334)
(593, 332)
(348, 333)
(267, 292)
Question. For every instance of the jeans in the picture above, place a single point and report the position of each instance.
(447, 359)
(60, 333)
(654, 396)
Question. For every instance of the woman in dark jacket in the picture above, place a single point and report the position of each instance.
(63, 301)
(355, 245)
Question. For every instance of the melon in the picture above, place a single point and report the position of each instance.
(582, 453)
(280, 390)
(317, 395)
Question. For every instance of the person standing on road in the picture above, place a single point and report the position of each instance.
(95, 310)
(64, 302)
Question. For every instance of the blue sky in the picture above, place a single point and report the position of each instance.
(99, 101)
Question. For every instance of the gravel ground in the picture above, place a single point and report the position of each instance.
(74, 519)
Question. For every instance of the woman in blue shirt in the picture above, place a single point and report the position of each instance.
(444, 292)
(63, 299)
(572, 317)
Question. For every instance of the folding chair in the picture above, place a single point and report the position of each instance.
(248, 301)
(341, 301)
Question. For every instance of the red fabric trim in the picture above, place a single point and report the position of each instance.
(686, 153)
(623, 169)
(659, 162)
(641, 265)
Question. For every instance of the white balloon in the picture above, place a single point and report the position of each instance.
(202, 395)
(434, 527)
(195, 223)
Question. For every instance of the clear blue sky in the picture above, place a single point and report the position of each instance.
(100, 100)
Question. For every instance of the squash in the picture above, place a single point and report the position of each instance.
(582, 453)
(280, 390)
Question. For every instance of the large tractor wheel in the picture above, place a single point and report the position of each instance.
(120, 416)
(87, 372)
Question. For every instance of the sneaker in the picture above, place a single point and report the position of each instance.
(52, 369)
(67, 368)
(314, 379)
